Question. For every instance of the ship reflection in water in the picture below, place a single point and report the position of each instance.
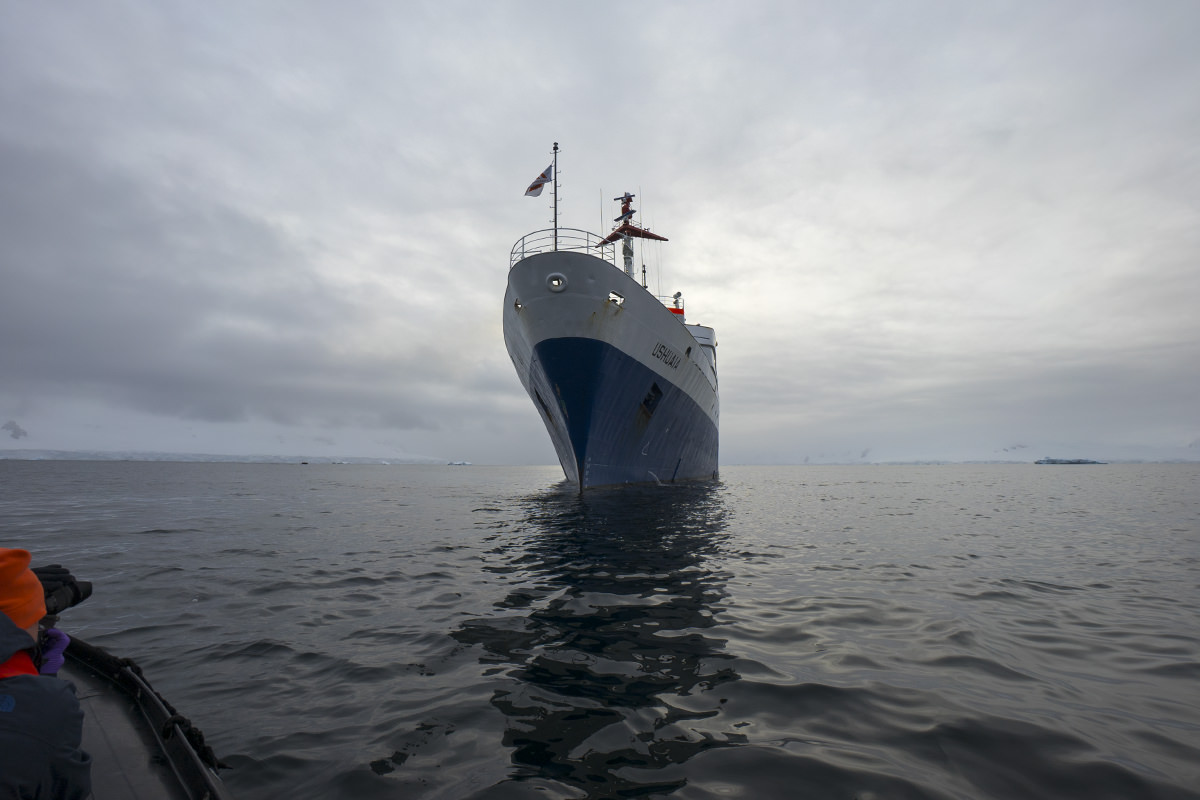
(608, 639)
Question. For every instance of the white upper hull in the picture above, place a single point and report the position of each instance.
(639, 349)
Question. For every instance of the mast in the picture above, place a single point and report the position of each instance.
(554, 187)
(626, 231)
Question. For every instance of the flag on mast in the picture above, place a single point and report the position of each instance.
(535, 188)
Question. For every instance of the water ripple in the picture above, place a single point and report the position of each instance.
(867, 632)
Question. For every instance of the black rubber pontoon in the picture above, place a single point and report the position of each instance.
(140, 747)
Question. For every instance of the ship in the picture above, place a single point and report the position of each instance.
(626, 387)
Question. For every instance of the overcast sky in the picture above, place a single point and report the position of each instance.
(920, 229)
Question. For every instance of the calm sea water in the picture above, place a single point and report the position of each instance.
(992, 631)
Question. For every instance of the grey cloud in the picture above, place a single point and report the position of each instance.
(15, 431)
(178, 305)
(907, 223)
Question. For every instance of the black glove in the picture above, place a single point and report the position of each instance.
(61, 588)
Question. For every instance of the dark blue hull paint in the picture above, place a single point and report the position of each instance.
(613, 420)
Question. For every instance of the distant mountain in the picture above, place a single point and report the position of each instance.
(108, 455)
(1113, 454)
(1024, 453)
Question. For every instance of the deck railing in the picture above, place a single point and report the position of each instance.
(568, 239)
(674, 304)
(581, 242)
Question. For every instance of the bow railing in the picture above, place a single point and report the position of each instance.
(568, 239)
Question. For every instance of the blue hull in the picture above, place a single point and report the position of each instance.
(613, 420)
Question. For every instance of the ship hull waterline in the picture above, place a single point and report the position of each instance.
(627, 392)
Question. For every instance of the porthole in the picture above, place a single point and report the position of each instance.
(556, 281)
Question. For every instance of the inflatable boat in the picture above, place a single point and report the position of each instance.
(140, 746)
